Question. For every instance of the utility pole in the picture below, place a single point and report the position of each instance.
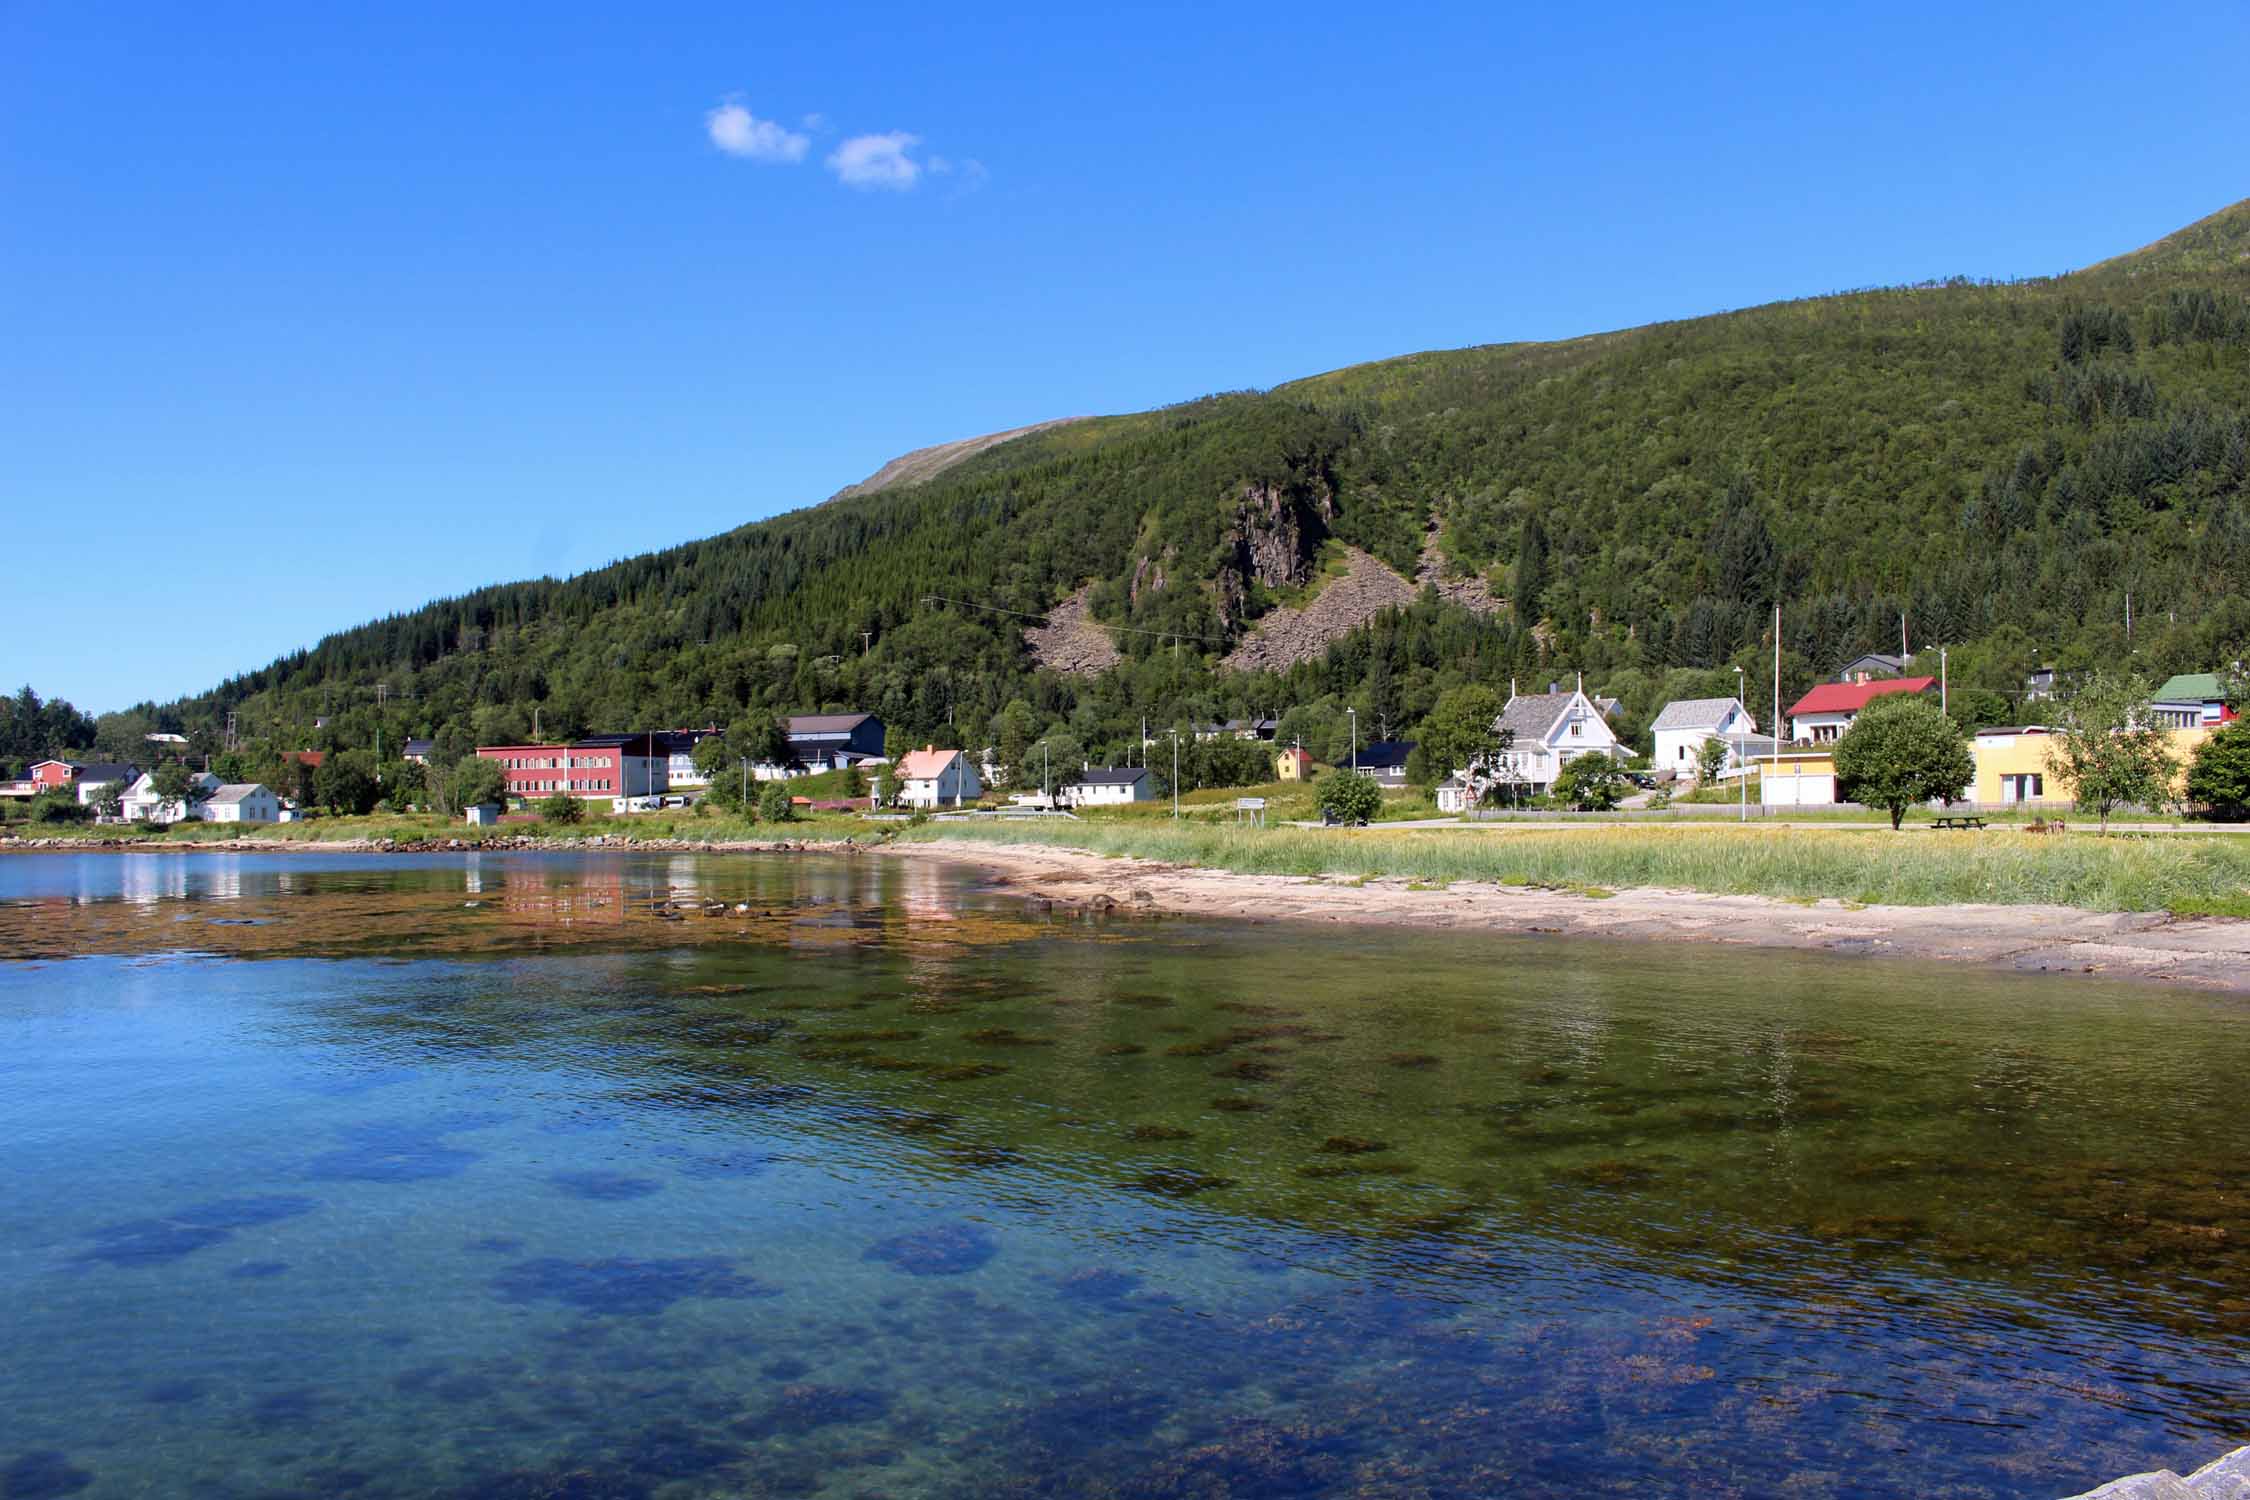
(1742, 771)
(1175, 775)
(745, 780)
(1353, 715)
(1042, 770)
(1942, 700)
(866, 643)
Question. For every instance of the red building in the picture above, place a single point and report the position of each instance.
(599, 766)
(53, 773)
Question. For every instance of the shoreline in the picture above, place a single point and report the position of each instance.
(2210, 954)
(2204, 953)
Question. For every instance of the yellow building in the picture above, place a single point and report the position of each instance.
(2013, 769)
(1797, 778)
(1293, 765)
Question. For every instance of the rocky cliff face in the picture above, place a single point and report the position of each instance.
(1273, 538)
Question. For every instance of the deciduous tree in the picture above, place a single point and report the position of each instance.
(2108, 747)
(1902, 750)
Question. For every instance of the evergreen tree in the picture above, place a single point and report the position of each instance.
(1531, 570)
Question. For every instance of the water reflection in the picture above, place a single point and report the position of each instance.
(882, 1185)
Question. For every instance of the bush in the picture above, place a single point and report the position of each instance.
(57, 808)
(1592, 783)
(562, 808)
(1345, 797)
(2218, 779)
(774, 805)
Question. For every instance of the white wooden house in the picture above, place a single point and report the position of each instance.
(1686, 724)
(1110, 786)
(1548, 731)
(242, 802)
(930, 777)
(141, 804)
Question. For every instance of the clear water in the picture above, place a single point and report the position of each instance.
(495, 1177)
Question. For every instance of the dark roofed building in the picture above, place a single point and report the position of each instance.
(418, 751)
(1103, 786)
(1385, 760)
(829, 742)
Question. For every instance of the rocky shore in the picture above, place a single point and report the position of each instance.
(2222, 1479)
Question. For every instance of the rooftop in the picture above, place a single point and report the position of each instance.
(1695, 713)
(1851, 697)
(2192, 687)
(235, 791)
(1112, 775)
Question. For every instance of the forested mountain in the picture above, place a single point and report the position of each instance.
(2002, 464)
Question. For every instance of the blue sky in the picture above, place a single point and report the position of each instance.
(308, 316)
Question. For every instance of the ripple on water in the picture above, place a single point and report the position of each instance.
(605, 1187)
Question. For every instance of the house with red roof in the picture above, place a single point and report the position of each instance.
(1822, 715)
(930, 777)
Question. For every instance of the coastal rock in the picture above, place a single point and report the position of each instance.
(2227, 1478)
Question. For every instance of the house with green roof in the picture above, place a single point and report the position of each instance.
(2193, 700)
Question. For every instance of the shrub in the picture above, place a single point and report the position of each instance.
(1345, 797)
(774, 805)
(1592, 783)
(562, 808)
(57, 808)
(2218, 779)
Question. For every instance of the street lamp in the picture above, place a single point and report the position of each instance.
(1353, 715)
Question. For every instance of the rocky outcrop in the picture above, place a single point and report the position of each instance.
(1275, 536)
(1070, 642)
(2223, 1479)
(1289, 635)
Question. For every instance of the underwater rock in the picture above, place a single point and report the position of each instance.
(1007, 1036)
(1121, 1049)
(1177, 1182)
(1414, 1060)
(1105, 1414)
(605, 1187)
(786, 1369)
(946, 1250)
(802, 1408)
(1099, 1285)
(555, 1484)
(149, 1242)
(174, 1392)
(495, 1244)
(735, 1164)
(1249, 1072)
(41, 1476)
(258, 1270)
(391, 1158)
(964, 1072)
(625, 1286)
(294, 1407)
(1159, 1133)
(1351, 1145)
(674, 1450)
(1237, 1105)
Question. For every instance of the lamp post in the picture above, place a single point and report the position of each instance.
(1353, 715)
(1043, 771)
(1742, 772)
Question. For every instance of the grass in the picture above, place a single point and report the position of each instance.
(2179, 873)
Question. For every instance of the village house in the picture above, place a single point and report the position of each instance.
(1109, 786)
(1685, 725)
(242, 802)
(1822, 715)
(418, 751)
(830, 742)
(930, 777)
(141, 804)
(1549, 730)
(2192, 700)
(1874, 665)
(597, 766)
(1293, 764)
(1385, 760)
(87, 779)
(2015, 764)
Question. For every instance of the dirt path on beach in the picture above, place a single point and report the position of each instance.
(2203, 952)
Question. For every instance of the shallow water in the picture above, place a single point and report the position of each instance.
(536, 1176)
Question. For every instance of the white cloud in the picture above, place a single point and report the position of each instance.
(877, 161)
(737, 132)
(814, 123)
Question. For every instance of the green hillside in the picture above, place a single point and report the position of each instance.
(2002, 463)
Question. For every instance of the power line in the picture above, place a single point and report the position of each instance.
(1176, 635)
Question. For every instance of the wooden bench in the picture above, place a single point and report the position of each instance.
(1963, 822)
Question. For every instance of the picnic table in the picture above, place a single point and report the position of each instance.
(1957, 822)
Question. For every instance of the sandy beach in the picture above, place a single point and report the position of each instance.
(2203, 952)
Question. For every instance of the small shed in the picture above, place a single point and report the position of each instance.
(484, 815)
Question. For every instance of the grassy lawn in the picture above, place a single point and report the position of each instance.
(2179, 873)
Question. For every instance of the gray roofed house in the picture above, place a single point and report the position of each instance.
(242, 802)
(1696, 713)
(1107, 785)
(1873, 664)
(1530, 715)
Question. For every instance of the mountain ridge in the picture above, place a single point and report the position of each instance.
(1999, 461)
